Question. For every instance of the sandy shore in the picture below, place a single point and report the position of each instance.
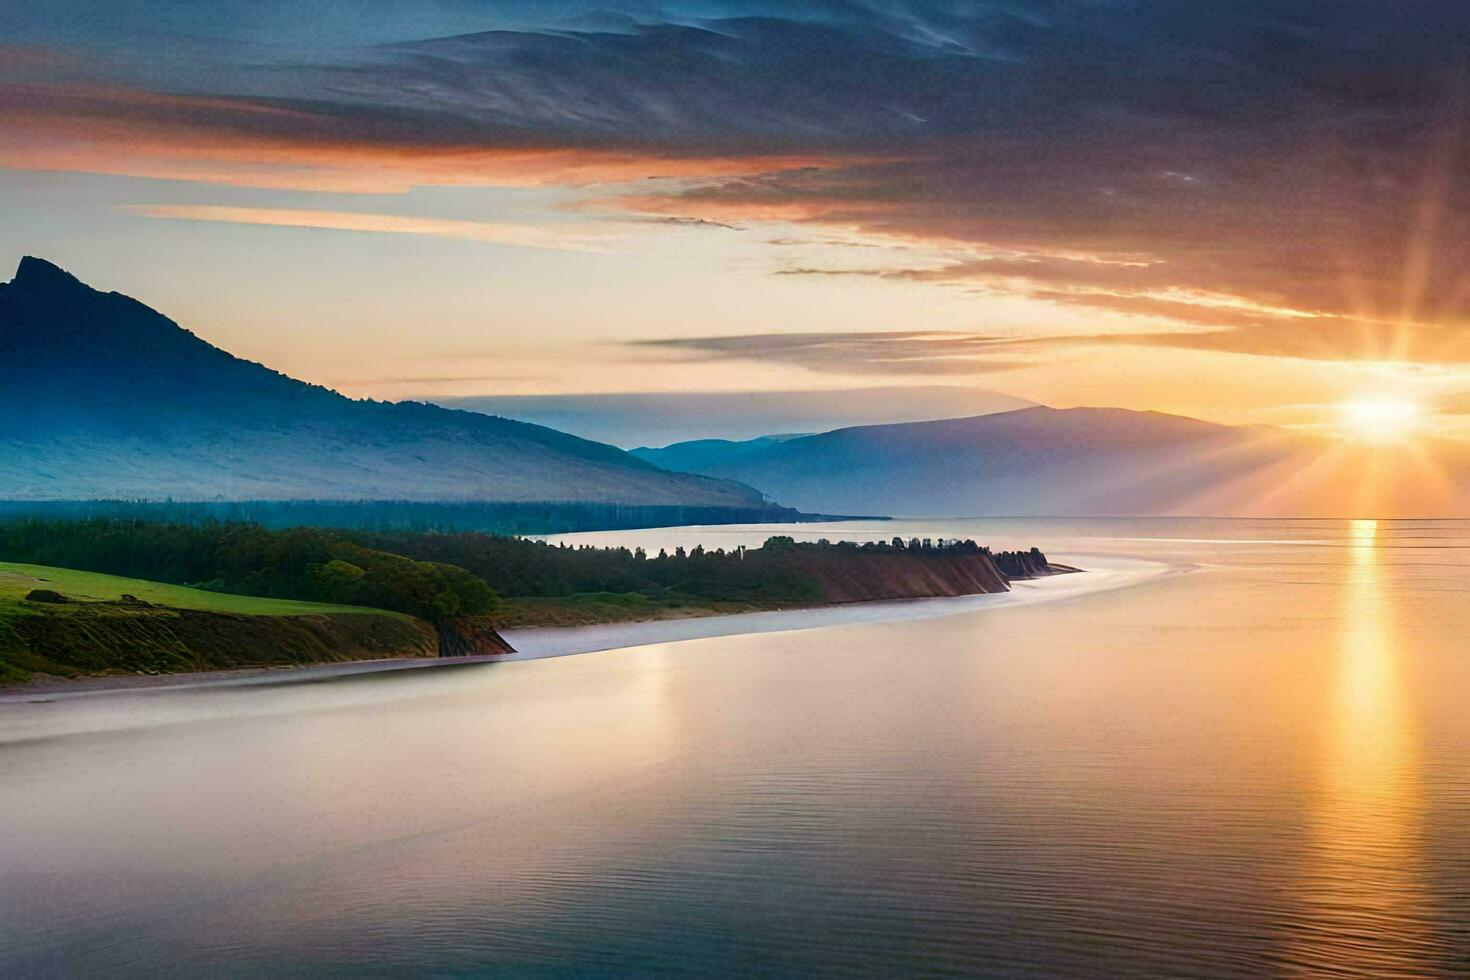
(1103, 573)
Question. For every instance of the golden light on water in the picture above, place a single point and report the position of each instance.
(1364, 875)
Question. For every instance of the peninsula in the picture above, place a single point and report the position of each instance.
(99, 597)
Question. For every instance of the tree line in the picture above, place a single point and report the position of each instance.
(491, 517)
(247, 559)
(437, 575)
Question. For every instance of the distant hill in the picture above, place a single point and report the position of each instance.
(708, 455)
(1081, 461)
(656, 418)
(105, 398)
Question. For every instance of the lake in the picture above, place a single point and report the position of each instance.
(1255, 762)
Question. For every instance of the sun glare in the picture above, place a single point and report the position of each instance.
(1381, 419)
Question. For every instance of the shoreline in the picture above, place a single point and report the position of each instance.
(724, 610)
(544, 642)
(1103, 573)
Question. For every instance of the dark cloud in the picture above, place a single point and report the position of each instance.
(1206, 321)
(950, 353)
(884, 353)
(1287, 173)
(687, 222)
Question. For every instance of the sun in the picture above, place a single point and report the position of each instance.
(1381, 418)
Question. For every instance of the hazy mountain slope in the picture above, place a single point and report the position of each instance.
(1081, 461)
(104, 397)
(657, 418)
(708, 455)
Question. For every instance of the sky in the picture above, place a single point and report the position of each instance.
(1252, 212)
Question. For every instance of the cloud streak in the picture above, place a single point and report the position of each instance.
(938, 353)
(910, 352)
(523, 236)
(253, 143)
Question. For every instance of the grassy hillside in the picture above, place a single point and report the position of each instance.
(17, 580)
(120, 617)
(168, 628)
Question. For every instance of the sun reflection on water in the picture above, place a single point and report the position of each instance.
(1363, 898)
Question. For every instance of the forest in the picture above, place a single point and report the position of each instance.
(247, 559)
(438, 576)
(490, 517)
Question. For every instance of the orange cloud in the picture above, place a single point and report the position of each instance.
(578, 238)
(137, 133)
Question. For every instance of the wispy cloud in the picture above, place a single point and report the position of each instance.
(1144, 289)
(883, 353)
(271, 143)
(571, 238)
(908, 353)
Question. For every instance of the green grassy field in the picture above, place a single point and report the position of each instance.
(179, 629)
(18, 580)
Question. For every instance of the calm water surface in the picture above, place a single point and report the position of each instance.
(1260, 765)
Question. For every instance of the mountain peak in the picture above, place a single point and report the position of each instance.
(34, 273)
(104, 397)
